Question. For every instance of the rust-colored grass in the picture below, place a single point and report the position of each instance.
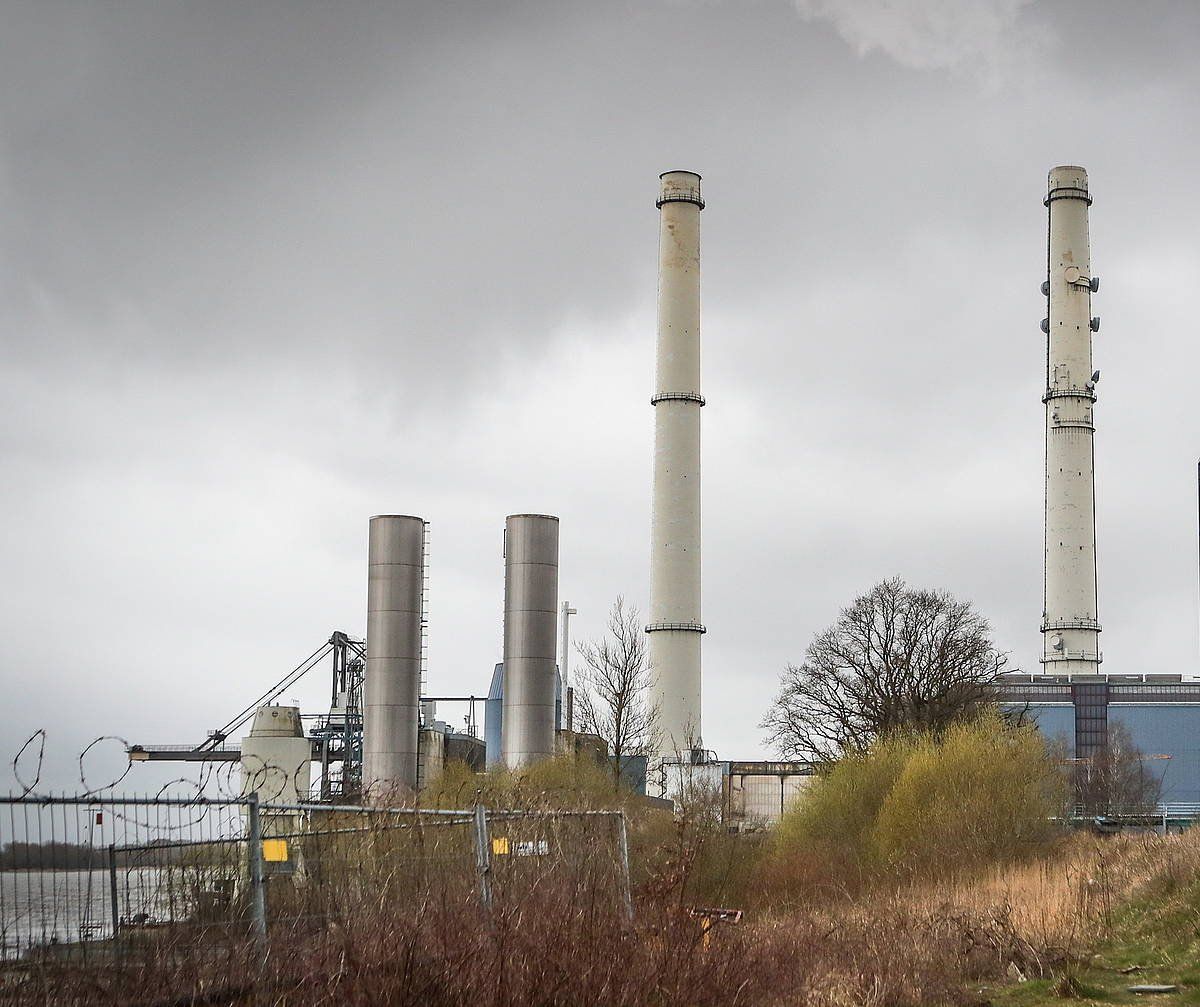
(898, 944)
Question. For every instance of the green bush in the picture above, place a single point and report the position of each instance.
(833, 826)
(985, 793)
(916, 805)
(564, 783)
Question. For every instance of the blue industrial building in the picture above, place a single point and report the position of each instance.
(633, 767)
(1160, 712)
(493, 713)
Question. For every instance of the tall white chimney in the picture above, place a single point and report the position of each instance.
(1070, 630)
(675, 628)
(392, 680)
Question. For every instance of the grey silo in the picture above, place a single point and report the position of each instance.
(530, 624)
(392, 686)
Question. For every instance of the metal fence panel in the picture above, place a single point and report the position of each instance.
(92, 878)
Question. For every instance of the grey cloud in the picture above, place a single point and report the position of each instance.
(272, 268)
(929, 34)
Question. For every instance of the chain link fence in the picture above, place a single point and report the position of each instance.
(97, 879)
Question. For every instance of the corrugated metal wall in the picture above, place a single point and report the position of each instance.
(1156, 728)
(762, 798)
(1172, 730)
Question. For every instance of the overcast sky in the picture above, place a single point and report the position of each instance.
(269, 268)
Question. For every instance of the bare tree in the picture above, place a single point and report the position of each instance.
(897, 659)
(612, 695)
(1118, 780)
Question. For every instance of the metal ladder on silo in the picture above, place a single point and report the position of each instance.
(425, 608)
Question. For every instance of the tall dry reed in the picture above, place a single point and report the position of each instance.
(554, 942)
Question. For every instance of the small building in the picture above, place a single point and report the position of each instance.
(756, 794)
(439, 744)
(751, 795)
(276, 757)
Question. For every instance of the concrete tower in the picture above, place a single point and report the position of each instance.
(392, 683)
(1070, 630)
(675, 627)
(530, 622)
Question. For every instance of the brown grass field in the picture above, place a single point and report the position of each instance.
(1026, 933)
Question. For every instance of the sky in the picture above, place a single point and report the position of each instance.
(269, 268)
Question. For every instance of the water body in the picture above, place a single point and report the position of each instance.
(60, 907)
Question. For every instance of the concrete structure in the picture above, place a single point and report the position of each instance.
(756, 794)
(392, 686)
(277, 757)
(431, 756)
(440, 744)
(675, 625)
(694, 776)
(1069, 619)
(530, 617)
(276, 761)
(464, 748)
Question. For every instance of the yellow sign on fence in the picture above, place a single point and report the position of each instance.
(275, 851)
(500, 846)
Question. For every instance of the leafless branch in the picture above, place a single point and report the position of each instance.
(612, 696)
(897, 658)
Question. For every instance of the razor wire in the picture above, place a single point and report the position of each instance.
(77, 869)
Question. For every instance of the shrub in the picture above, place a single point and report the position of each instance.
(564, 783)
(831, 830)
(983, 792)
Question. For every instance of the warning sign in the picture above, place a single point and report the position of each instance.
(275, 851)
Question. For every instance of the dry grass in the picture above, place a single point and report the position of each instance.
(562, 939)
(1066, 899)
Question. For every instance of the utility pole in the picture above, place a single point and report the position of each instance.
(567, 612)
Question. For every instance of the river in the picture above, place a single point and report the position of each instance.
(58, 907)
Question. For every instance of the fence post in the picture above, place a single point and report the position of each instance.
(258, 896)
(483, 857)
(112, 892)
(623, 843)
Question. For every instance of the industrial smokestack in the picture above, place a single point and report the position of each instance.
(1070, 629)
(675, 627)
(392, 687)
(530, 617)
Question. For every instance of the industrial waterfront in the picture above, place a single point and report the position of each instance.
(543, 505)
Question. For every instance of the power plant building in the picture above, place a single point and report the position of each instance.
(1161, 713)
